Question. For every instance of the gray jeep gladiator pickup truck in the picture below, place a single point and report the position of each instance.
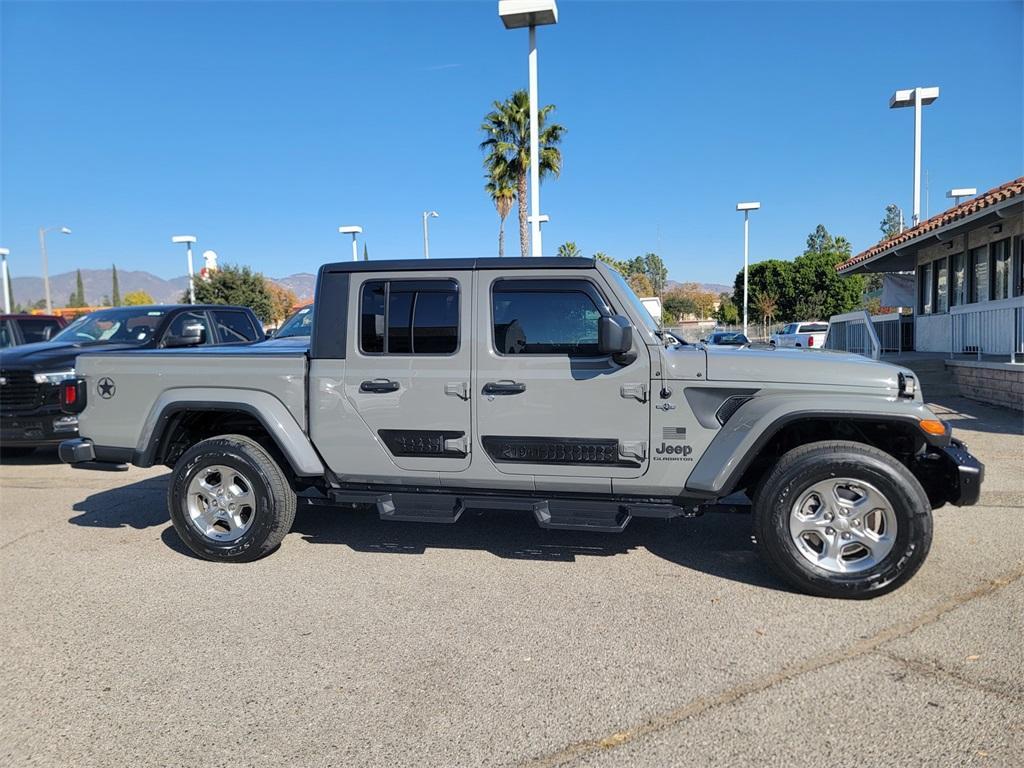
(429, 387)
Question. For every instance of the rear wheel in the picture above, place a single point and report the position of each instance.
(842, 519)
(230, 500)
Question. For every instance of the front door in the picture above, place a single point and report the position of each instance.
(548, 403)
(407, 372)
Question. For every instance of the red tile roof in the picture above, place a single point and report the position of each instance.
(984, 200)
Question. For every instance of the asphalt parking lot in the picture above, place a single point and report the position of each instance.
(493, 642)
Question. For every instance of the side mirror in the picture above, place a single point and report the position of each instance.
(192, 335)
(614, 335)
(269, 333)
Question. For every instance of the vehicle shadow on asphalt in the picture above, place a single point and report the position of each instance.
(970, 415)
(717, 544)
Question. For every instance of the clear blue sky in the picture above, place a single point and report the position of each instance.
(261, 127)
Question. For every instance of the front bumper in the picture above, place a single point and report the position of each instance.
(964, 474)
(44, 426)
(80, 453)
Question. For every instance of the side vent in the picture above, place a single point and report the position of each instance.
(729, 407)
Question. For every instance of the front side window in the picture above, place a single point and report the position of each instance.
(979, 274)
(546, 321)
(126, 325)
(234, 327)
(1000, 257)
(186, 321)
(409, 317)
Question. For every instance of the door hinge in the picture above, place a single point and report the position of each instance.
(636, 391)
(633, 449)
(458, 389)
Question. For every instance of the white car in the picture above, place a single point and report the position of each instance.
(810, 335)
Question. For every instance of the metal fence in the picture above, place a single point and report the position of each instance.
(988, 330)
(861, 333)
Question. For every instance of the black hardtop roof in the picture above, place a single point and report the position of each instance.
(168, 307)
(424, 265)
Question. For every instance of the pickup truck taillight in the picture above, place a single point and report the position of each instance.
(810, 341)
(72, 396)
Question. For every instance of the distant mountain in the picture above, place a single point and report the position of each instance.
(98, 285)
(715, 288)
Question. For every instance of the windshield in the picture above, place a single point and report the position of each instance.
(299, 324)
(638, 305)
(130, 325)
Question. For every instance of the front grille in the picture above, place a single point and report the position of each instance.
(19, 391)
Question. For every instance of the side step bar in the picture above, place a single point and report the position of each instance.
(554, 514)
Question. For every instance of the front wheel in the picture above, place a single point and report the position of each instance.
(229, 499)
(842, 519)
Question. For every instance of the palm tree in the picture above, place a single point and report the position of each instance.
(507, 144)
(502, 195)
(569, 249)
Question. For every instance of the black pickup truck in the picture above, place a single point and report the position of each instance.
(30, 374)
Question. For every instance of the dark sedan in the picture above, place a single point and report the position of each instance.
(727, 339)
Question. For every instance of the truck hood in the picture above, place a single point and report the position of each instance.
(53, 356)
(799, 366)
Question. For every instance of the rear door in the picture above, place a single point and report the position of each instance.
(407, 372)
(548, 403)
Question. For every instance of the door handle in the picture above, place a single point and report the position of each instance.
(379, 385)
(504, 388)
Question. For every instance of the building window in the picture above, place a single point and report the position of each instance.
(941, 288)
(999, 269)
(409, 317)
(957, 281)
(924, 289)
(1018, 272)
(979, 274)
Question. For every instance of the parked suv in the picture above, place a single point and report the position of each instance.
(543, 385)
(810, 335)
(30, 374)
(28, 329)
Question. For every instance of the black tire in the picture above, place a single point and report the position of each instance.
(274, 512)
(16, 451)
(801, 468)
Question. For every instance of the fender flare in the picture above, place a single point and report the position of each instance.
(758, 420)
(270, 412)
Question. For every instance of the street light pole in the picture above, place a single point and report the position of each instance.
(46, 269)
(746, 208)
(531, 13)
(915, 97)
(536, 245)
(427, 215)
(189, 241)
(352, 230)
(4, 253)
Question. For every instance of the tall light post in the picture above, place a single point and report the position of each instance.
(956, 194)
(427, 216)
(46, 269)
(516, 14)
(4, 253)
(189, 241)
(352, 230)
(746, 208)
(916, 98)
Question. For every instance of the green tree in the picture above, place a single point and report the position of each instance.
(726, 313)
(773, 276)
(115, 293)
(676, 305)
(503, 194)
(77, 297)
(507, 146)
(892, 222)
(282, 299)
(640, 284)
(137, 299)
(618, 266)
(232, 284)
(569, 250)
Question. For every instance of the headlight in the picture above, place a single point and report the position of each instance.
(55, 377)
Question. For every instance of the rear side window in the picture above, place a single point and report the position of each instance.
(813, 328)
(409, 317)
(38, 330)
(547, 321)
(234, 327)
